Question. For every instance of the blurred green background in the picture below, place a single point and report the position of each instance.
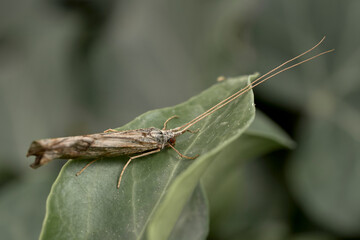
(70, 67)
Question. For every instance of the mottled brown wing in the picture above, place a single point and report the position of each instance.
(109, 144)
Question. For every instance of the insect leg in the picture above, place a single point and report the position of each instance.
(110, 130)
(79, 172)
(165, 123)
(128, 162)
(191, 131)
(181, 155)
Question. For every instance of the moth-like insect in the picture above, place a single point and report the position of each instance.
(139, 142)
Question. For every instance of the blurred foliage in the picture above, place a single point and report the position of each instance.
(70, 67)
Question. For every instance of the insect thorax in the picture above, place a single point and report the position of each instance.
(162, 136)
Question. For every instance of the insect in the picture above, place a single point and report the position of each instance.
(140, 142)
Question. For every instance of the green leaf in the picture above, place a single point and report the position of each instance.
(193, 222)
(240, 200)
(258, 141)
(150, 199)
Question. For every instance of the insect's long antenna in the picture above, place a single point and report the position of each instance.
(246, 89)
(258, 79)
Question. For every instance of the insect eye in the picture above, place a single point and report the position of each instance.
(172, 141)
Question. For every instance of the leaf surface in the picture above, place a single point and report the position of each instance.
(193, 222)
(242, 197)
